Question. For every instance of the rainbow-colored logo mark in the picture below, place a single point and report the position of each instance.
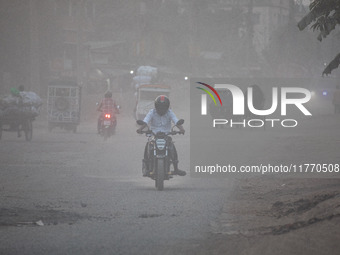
(209, 93)
(204, 97)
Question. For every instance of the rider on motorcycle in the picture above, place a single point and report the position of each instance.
(107, 105)
(160, 119)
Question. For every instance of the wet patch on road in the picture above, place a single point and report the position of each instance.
(281, 209)
(301, 207)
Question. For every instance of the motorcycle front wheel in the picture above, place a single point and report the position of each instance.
(160, 174)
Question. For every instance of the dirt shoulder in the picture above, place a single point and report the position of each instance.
(291, 216)
(286, 215)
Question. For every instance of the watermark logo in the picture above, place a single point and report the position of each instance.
(204, 97)
(243, 104)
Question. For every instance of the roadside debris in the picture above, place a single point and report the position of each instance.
(39, 223)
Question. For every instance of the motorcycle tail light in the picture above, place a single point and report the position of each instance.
(160, 143)
(108, 116)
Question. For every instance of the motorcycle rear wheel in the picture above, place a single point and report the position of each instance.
(106, 133)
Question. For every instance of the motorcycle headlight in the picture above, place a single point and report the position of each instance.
(160, 143)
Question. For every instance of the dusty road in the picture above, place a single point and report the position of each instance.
(91, 198)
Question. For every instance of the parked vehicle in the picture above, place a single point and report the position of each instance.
(64, 105)
(159, 157)
(145, 98)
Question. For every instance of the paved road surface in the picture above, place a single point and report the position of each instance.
(91, 197)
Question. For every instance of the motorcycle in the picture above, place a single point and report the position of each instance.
(160, 164)
(107, 123)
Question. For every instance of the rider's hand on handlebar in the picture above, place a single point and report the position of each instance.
(140, 130)
(181, 130)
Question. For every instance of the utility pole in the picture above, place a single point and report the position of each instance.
(79, 34)
(34, 72)
(291, 11)
(250, 33)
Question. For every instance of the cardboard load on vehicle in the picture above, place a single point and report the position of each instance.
(147, 71)
(141, 80)
(145, 75)
(9, 101)
(30, 98)
(26, 104)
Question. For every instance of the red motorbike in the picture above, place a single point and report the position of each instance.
(108, 123)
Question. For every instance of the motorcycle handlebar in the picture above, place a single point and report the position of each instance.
(175, 132)
(146, 132)
(149, 132)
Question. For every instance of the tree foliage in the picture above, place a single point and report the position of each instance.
(290, 52)
(323, 16)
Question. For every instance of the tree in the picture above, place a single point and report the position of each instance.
(323, 16)
(290, 53)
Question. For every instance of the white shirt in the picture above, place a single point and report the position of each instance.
(160, 123)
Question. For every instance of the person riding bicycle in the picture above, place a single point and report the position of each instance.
(160, 119)
(107, 105)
